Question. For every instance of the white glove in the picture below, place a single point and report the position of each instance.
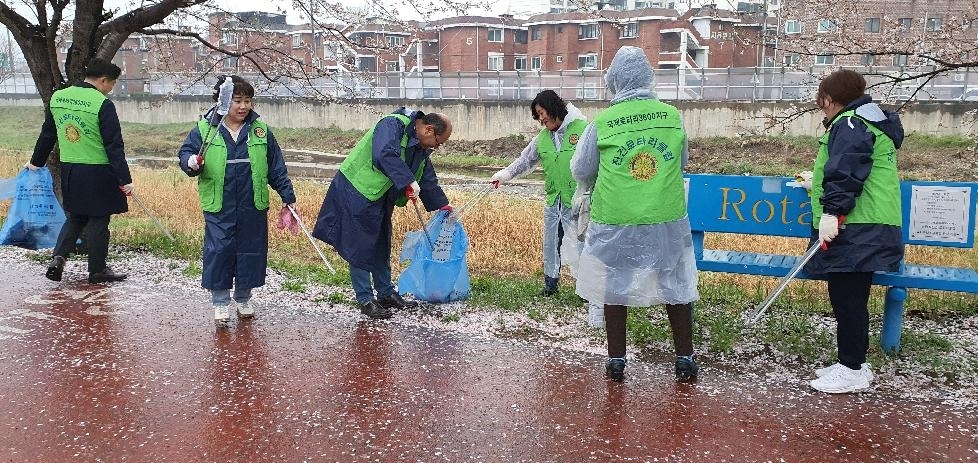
(193, 162)
(804, 179)
(502, 176)
(581, 203)
(828, 228)
(127, 189)
(30, 166)
(412, 191)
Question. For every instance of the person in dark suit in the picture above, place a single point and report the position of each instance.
(95, 178)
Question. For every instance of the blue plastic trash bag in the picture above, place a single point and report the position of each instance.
(439, 275)
(35, 217)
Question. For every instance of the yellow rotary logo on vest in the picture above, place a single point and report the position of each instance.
(643, 166)
(72, 133)
(259, 132)
(573, 139)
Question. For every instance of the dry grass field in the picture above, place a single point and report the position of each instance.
(504, 231)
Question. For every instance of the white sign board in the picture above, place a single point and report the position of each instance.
(940, 213)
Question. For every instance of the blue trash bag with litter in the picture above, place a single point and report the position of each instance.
(436, 275)
(35, 218)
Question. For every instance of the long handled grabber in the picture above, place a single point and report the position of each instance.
(762, 307)
(146, 210)
(458, 213)
(421, 221)
(223, 106)
(309, 235)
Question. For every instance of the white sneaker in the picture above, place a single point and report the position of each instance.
(221, 314)
(595, 315)
(841, 380)
(245, 310)
(865, 370)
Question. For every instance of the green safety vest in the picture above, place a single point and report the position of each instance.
(640, 178)
(879, 202)
(360, 170)
(556, 164)
(210, 183)
(75, 111)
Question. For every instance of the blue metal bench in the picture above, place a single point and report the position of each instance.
(934, 214)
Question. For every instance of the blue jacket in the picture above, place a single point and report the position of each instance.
(236, 237)
(862, 247)
(360, 230)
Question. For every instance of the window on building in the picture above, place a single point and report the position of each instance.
(495, 61)
(519, 36)
(297, 40)
(792, 26)
(393, 66)
(904, 24)
(367, 63)
(395, 41)
(559, 59)
(900, 60)
(536, 33)
(934, 24)
(587, 31)
(869, 60)
(231, 62)
(536, 63)
(629, 30)
(872, 25)
(229, 38)
(589, 61)
(495, 34)
(519, 62)
(827, 25)
(791, 59)
(824, 60)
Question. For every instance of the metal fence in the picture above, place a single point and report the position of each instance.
(724, 84)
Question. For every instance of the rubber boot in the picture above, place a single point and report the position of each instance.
(549, 286)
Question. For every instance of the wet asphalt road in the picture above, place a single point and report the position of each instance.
(137, 372)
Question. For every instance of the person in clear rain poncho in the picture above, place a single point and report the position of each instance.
(638, 248)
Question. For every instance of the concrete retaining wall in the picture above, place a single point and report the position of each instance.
(488, 120)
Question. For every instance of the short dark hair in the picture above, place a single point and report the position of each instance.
(435, 120)
(99, 67)
(551, 102)
(241, 87)
(843, 86)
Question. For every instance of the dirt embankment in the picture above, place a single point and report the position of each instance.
(747, 155)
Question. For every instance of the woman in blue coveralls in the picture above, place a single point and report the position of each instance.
(241, 160)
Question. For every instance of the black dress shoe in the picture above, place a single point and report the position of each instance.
(106, 276)
(55, 268)
(395, 301)
(375, 311)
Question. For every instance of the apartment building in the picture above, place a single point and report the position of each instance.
(479, 43)
(249, 30)
(879, 30)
